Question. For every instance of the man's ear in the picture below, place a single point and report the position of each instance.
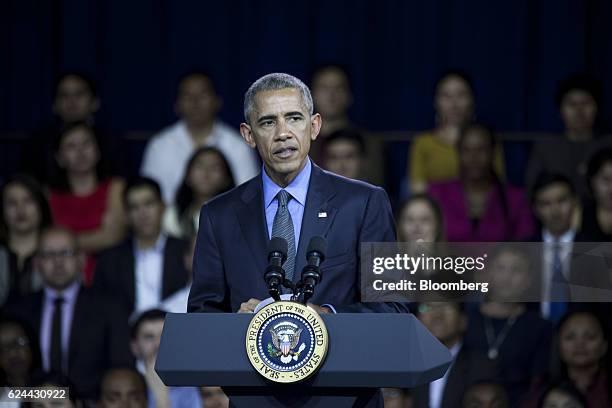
(247, 134)
(315, 123)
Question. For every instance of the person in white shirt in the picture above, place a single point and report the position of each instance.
(167, 153)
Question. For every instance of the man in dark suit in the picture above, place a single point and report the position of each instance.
(148, 267)
(82, 334)
(448, 322)
(294, 199)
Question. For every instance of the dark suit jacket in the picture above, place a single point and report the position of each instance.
(469, 368)
(231, 249)
(115, 271)
(99, 337)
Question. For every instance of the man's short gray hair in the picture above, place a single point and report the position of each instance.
(272, 82)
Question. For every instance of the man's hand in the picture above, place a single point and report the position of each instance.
(320, 309)
(249, 306)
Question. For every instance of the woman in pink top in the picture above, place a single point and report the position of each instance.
(478, 207)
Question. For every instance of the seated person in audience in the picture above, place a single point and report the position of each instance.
(207, 175)
(448, 322)
(344, 154)
(433, 154)
(214, 397)
(564, 395)
(420, 219)
(24, 212)
(167, 153)
(83, 197)
(177, 302)
(486, 395)
(19, 357)
(76, 100)
(81, 333)
(123, 388)
(578, 99)
(54, 381)
(597, 209)
(148, 267)
(505, 330)
(146, 334)
(332, 97)
(478, 206)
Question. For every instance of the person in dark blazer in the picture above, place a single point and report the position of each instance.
(82, 334)
(148, 267)
(294, 199)
(448, 322)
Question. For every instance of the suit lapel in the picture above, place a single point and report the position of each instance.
(318, 214)
(129, 275)
(252, 219)
(172, 269)
(76, 327)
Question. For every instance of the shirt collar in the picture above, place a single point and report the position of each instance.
(69, 294)
(158, 247)
(212, 138)
(566, 238)
(298, 188)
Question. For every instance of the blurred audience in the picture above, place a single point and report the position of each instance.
(578, 98)
(486, 395)
(420, 219)
(83, 197)
(343, 153)
(433, 155)
(54, 381)
(177, 302)
(564, 395)
(148, 267)
(332, 97)
(214, 397)
(448, 322)
(478, 206)
(207, 175)
(146, 334)
(167, 153)
(81, 334)
(597, 210)
(123, 388)
(24, 212)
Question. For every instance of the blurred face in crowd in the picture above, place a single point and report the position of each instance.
(602, 186)
(74, 101)
(560, 399)
(554, 206)
(122, 389)
(281, 128)
(485, 396)
(343, 157)
(55, 403)
(15, 352)
(475, 154)
(59, 261)
(454, 102)
(207, 175)
(444, 320)
(214, 397)
(581, 341)
(145, 210)
(578, 111)
(509, 276)
(146, 343)
(21, 212)
(78, 151)
(331, 93)
(418, 221)
(197, 102)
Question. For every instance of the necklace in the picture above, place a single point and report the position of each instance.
(493, 341)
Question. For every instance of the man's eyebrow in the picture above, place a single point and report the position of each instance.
(266, 117)
(294, 113)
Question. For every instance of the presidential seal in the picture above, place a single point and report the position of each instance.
(286, 342)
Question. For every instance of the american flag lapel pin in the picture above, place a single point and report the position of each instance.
(322, 214)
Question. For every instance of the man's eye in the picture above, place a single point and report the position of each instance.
(267, 123)
(295, 118)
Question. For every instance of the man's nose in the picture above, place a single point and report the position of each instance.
(282, 130)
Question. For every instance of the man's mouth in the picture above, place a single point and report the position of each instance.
(285, 152)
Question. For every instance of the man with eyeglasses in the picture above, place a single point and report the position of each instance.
(81, 334)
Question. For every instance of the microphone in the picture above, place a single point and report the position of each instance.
(311, 274)
(275, 274)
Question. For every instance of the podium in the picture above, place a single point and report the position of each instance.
(366, 351)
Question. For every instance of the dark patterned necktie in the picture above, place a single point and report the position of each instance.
(283, 228)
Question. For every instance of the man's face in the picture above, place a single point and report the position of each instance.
(475, 154)
(444, 320)
(343, 157)
(145, 212)
(554, 207)
(281, 129)
(197, 102)
(59, 262)
(122, 389)
(146, 343)
(331, 93)
(74, 101)
(578, 111)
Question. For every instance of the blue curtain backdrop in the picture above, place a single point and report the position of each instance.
(515, 50)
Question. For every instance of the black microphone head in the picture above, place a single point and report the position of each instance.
(317, 244)
(278, 244)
